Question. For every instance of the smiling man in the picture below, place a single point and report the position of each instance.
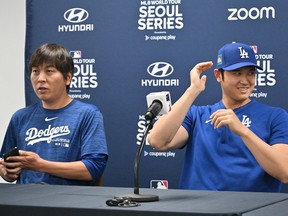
(61, 140)
(237, 144)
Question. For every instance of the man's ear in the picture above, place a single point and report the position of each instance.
(69, 78)
(218, 75)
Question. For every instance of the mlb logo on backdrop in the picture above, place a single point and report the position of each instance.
(255, 49)
(159, 184)
(75, 54)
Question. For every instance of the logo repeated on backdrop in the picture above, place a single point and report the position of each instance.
(159, 184)
(158, 18)
(160, 70)
(159, 154)
(253, 13)
(84, 76)
(75, 17)
(265, 77)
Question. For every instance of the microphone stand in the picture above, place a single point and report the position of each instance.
(137, 197)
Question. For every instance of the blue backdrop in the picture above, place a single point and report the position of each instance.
(115, 43)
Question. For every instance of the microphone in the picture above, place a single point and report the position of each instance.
(153, 110)
(158, 103)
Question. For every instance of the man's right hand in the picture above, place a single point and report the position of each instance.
(197, 82)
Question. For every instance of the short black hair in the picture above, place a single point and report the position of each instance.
(222, 73)
(54, 55)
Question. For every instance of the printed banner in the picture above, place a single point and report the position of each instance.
(123, 50)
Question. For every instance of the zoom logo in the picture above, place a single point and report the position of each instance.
(160, 69)
(252, 13)
(76, 15)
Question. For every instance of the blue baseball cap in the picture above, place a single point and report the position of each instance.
(236, 55)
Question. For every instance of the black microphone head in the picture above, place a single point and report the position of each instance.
(153, 110)
(149, 116)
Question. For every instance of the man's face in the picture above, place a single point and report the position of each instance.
(238, 84)
(49, 83)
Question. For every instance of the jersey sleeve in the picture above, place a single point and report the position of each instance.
(10, 140)
(279, 126)
(189, 119)
(94, 153)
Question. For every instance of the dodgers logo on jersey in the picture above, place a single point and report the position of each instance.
(35, 135)
(246, 121)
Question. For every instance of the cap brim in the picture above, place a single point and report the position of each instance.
(239, 65)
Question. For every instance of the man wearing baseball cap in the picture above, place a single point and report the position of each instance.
(236, 144)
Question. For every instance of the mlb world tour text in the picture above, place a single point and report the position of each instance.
(160, 15)
(84, 75)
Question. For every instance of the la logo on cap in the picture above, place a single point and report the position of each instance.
(235, 55)
(243, 53)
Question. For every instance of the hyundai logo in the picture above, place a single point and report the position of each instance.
(160, 69)
(76, 15)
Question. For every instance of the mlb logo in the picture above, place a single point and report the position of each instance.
(75, 54)
(159, 184)
(255, 49)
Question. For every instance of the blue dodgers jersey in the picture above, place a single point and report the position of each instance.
(73, 133)
(217, 159)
